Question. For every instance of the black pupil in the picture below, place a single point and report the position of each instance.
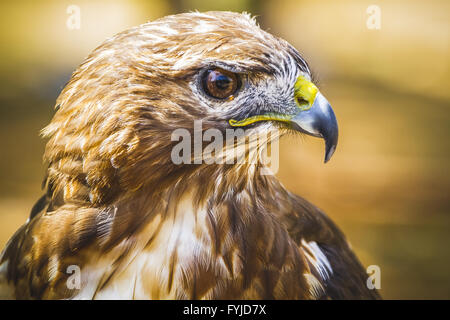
(222, 82)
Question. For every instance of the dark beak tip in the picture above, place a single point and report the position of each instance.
(330, 148)
(328, 155)
(330, 145)
(331, 136)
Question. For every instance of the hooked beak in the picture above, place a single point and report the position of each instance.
(315, 117)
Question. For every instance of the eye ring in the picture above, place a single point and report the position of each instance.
(220, 84)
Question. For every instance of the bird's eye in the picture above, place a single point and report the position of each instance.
(220, 84)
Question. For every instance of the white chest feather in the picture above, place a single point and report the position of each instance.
(152, 263)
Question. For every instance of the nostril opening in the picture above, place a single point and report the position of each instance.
(301, 102)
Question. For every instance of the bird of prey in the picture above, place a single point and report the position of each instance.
(120, 219)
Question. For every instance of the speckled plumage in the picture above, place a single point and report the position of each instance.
(139, 226)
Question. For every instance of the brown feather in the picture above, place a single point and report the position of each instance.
(139, 226)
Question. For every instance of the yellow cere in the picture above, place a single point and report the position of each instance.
(262, 117)
(304, 93)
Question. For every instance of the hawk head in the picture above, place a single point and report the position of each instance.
(112, 130)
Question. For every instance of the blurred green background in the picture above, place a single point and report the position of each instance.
(388, 183)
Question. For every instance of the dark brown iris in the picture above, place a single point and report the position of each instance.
(220, 84)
